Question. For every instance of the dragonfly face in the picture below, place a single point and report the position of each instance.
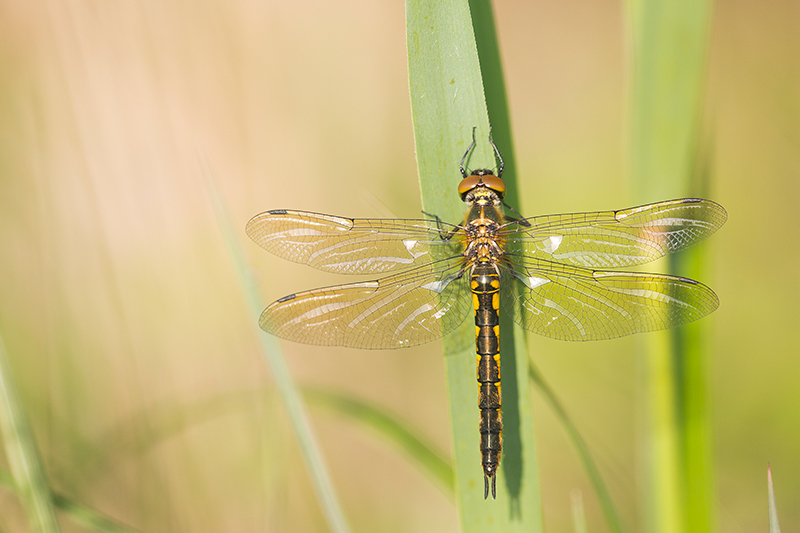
(548, 272)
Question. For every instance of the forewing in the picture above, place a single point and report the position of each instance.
(353, 246)
(398, 311)
(577, 304)
(611, 239)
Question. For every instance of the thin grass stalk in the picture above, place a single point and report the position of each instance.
(447, 102)
(24, 459)
(774, 526)
(669, 50)
(284, 382)
(578, 515)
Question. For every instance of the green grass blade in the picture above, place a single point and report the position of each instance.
(495, 91)
(447, 102)
(774, 526)
(669, 49)
(23, 453)
(612, 517)
(284, 382)
(691, 351)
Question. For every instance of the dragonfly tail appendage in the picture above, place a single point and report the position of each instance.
(486, 484)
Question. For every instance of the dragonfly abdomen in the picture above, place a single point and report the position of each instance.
(485, 285)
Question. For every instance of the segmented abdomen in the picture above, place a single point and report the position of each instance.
(485, 285)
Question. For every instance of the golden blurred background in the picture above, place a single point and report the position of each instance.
(126, 324)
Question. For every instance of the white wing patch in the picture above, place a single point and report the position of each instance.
(533, 281)
(410, 244)
(552, 243)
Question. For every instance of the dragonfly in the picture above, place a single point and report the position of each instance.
(552, 274)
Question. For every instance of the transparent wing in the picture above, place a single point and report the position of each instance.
(398, 311)
(610, 239)
(353, 246)
(577, 304)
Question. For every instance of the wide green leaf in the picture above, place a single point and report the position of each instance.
(447, 102)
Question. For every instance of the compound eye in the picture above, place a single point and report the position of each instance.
(468, 183)
(494, 183)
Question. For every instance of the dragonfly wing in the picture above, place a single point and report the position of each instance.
(611, 239)
(578, 304)
(352, 246)
(398, 311)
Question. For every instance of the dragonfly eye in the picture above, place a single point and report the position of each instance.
(467, 184)
(496, 184)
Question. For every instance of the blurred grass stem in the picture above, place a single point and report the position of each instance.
(23, 453)
(284, 382)
(669, 51)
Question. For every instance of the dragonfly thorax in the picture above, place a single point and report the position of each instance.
(483, 244)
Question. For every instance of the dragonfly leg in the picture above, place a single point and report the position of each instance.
(444, 235)
(521, 220)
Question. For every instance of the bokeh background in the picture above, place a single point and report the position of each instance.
(126, 324)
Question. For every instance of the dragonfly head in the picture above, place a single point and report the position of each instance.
(481, 183)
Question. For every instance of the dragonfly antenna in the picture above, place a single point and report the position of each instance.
(469, 149)
(496, 151)
(472, 145)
